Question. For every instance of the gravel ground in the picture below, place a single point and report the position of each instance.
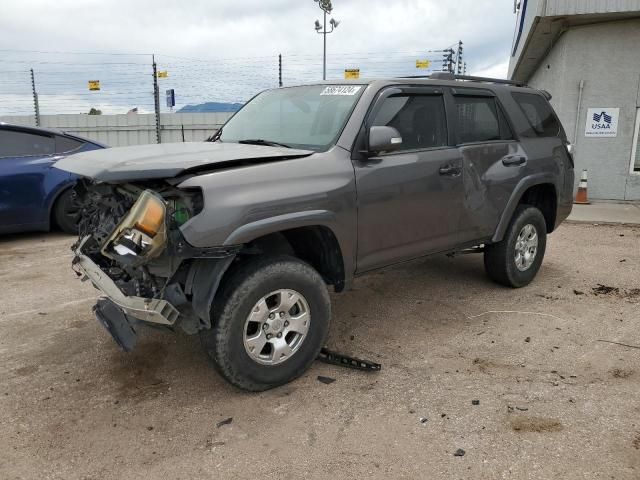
(554, 399)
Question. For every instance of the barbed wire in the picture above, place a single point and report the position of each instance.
(61, 78)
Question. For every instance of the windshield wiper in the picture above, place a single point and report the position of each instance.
(260, 141)
(215, 137)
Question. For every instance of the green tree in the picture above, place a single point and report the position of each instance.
(95, 111)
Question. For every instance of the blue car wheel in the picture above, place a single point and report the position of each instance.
(66, 212)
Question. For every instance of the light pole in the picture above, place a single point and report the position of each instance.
(326, 7)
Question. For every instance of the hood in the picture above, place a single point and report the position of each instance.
(167, 160)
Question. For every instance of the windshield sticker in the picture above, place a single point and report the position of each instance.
(341, 90)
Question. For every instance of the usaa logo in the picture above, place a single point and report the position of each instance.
(602, 121)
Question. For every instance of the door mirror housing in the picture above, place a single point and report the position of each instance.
(383, 139)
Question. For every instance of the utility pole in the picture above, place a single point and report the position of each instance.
(280, 70)
(36, 105)
(459, 58)
(156, 99)
(326, 7)
(447, 62)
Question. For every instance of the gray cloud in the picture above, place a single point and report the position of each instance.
(247, 34)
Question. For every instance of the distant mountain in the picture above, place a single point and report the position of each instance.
(211, 107)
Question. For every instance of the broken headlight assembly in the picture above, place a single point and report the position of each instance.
(142, 233)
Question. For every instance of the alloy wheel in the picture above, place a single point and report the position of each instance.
(276, 327)
(526, 247)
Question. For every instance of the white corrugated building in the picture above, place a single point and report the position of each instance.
(586, 53)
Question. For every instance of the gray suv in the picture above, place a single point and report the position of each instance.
(237, 238)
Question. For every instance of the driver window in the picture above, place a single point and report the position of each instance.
(420, 119)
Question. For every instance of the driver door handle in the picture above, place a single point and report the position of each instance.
(514, 160)
(449, 170)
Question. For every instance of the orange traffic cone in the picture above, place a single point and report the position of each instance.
(581, 196)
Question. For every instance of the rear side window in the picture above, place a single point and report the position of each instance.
(536, 109)
(21, 144)
(479, 119)
(66, 144)
(420, 119)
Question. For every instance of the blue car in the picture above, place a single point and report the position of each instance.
(33, 194)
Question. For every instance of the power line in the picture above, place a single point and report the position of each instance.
(59, 52)
(62, 82)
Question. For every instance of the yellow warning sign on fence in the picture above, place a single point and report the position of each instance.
(352, 74)
(163, 74)
(423, 63)
(94, 84)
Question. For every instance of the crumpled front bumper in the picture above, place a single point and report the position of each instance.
(152, 310)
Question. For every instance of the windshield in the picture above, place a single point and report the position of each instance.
(309, 117)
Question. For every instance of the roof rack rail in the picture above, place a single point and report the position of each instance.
(452, 76)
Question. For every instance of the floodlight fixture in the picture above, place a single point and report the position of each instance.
(327, 8)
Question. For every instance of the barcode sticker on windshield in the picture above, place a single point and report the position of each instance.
(341, 90)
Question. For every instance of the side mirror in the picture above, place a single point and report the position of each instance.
(384, 139)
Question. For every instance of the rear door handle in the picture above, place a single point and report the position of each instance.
(514, 160)
(449, 170)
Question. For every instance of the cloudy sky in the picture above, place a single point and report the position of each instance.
(221, 50)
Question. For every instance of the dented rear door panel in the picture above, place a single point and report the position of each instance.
(488, 185)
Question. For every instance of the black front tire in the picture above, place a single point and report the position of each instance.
(499, 258)
(66, 212)
(245, 286)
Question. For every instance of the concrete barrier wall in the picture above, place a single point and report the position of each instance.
(131, 129)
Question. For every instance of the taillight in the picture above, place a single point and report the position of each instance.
(570, 149)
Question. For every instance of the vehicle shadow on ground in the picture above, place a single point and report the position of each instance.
(34, 236)
(422, 298)
(381, 301)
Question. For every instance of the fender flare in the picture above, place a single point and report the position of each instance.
(522, 186)
(205, 275)
(203, 280)
(309, 218)
(251, 231)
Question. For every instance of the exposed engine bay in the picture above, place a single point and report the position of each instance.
(130, 232)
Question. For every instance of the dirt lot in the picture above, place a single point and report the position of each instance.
(554, 400)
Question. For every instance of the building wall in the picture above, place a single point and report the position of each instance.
(606, 57)
(524, 23)
(586, 7)
(125, 130)
(542, 21)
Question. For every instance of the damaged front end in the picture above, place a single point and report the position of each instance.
(131, 248)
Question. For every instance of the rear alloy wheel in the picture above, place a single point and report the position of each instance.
(526, 247)
(66, 212)
(270, 320)
(515, 261)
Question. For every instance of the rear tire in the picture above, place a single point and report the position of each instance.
(515, 261)
(66, 212)
(242, 321)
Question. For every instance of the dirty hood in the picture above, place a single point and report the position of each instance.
(168, 160)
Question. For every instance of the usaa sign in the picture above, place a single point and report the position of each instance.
(602, 122)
